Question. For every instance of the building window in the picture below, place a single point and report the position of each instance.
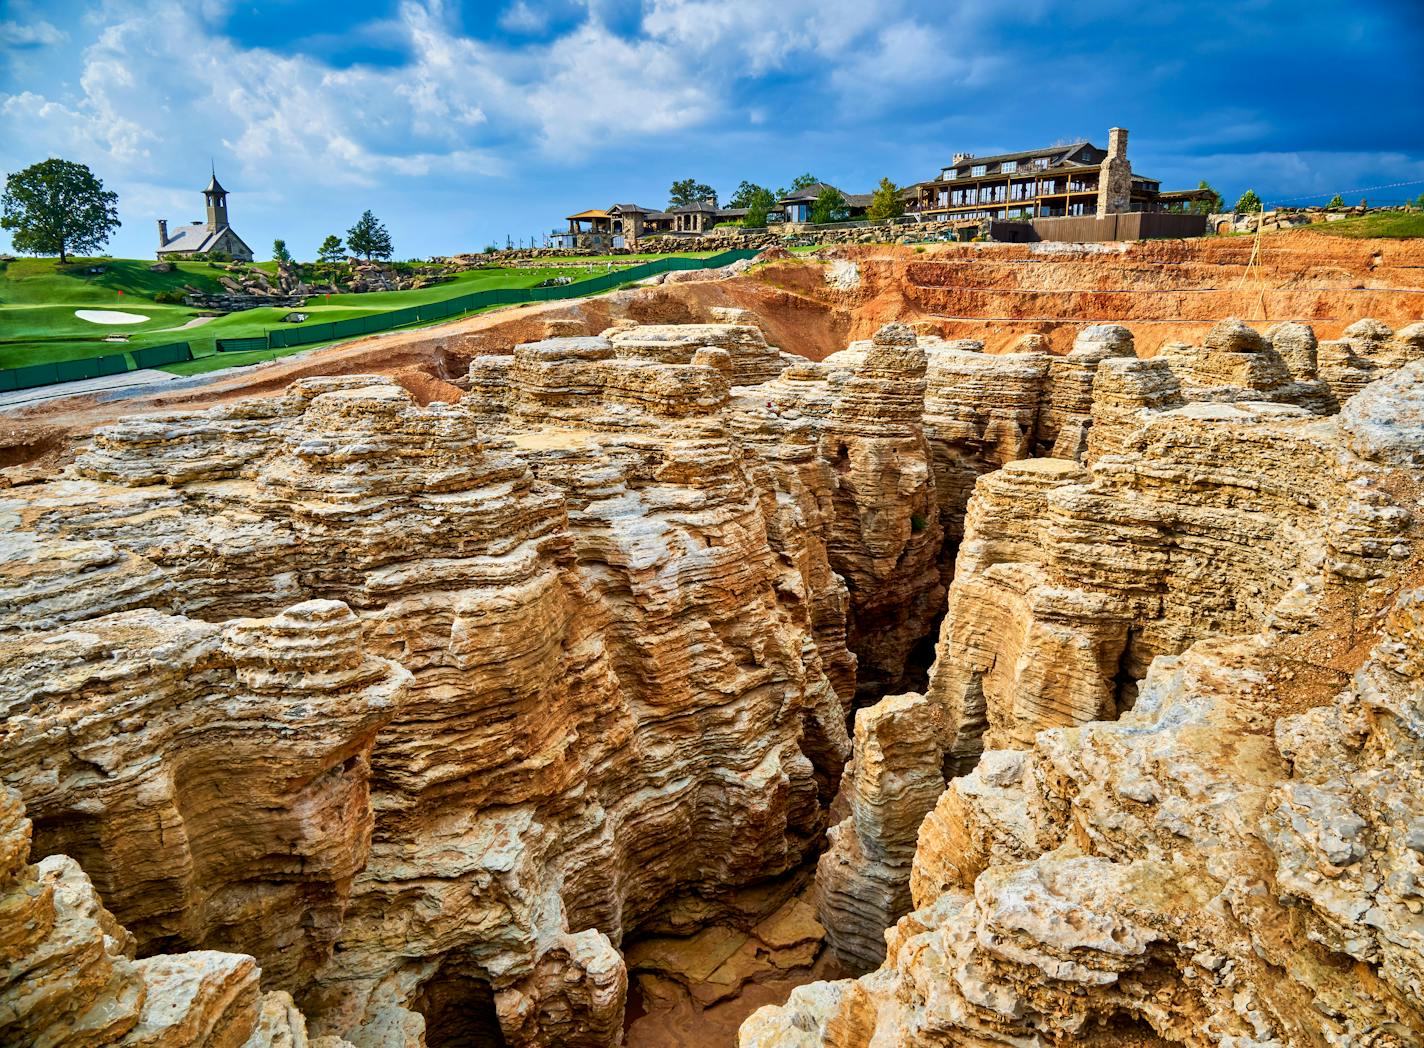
(1008, 167)
(977, 170)
(950, 173)
(1040, 163)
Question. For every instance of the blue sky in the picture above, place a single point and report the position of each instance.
(461, 123)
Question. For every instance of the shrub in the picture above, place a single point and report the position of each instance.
(918, 523)
(1249, 203)
(169, 298)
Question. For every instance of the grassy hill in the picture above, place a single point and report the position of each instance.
(38, 299)
(1393, 225)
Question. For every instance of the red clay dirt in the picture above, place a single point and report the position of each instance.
(1163, 290)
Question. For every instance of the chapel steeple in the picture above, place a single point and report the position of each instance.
(216, 197)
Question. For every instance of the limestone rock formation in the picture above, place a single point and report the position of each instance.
(862, 881)
(1221, 854)
(70, 977)
(564, 662)
(377, 723)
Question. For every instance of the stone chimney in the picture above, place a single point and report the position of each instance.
(162, 231)
(959, 158)
(1115, 175)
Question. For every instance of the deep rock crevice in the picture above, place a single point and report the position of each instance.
(457, 718)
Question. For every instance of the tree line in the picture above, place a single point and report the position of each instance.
(58, 207)
(829, 204)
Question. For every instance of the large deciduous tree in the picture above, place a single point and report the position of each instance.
(688, 191)
(798, 183)
(746, 193)
(368, 238)
(56, 207)
(758, 200)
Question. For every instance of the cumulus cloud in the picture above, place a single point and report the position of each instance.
(145, 90)
(147, 94)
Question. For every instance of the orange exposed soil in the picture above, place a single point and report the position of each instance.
(1162, 290)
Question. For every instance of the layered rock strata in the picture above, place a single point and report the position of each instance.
(609, 681)
(1226, 861)
(551, 671)
(70, 977)
(432, 710)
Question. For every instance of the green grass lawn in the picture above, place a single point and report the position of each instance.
(1388, 224)
(38, 299)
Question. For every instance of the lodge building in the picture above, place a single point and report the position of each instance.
(1079, 178)
(624, 224)
(1060, 181)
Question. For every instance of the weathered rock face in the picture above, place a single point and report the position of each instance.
(862, 881)
(430, 712)
(565, 661)
(1221, 855)
(70, 976)
(212, 781)
(845, 441)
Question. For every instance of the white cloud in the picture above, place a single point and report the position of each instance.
(38, 33)
(521, 18)
(148, 99)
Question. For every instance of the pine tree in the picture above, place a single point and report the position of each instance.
(830, 206)
(886, 202)
(332, 250)
(1336, 201)
(280, 252)
(368, 238)
(758, 200)
(1211, 206)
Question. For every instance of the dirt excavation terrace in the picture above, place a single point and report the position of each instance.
(812, 306)
(985, 645)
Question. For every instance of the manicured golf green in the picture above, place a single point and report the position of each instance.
(38, 299)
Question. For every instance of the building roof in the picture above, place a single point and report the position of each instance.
(733, 212)
(811, 192)
(195, 237)
(1175, 196)
(627, 209)
(1024, 154)
(213, 186)
(592, 212)
(688, 209)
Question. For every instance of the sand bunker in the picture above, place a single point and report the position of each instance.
(110, 316)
